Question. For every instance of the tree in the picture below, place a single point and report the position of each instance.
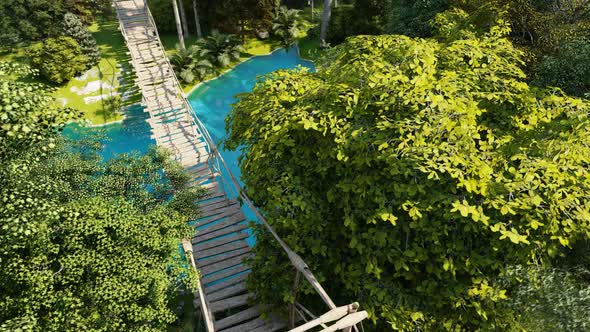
(58, 59)
(178, 25)
(325, 21)
(183, 17)
(221, 48)
(286, 26)
(84, 244)
(72, 27)
(409, 173)
(22, 21)
(197, 22)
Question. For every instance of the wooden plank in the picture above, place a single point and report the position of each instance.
(226, 283)
(230, 212)
(229, 303)
(212, 212)
(240, 317)
(220, 258)
(228, 292)
(216, 206)
(214, 229)
(205, 202)
(274, 324)
(219, 242)
(221, 249)
(220, 232)
(225, 273)
(224, 264)
(246, 326)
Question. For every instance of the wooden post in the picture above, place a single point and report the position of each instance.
(188, 250)
(197, 23)
(178, 25)
(292, 305)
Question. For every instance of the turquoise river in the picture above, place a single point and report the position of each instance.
(212, 102)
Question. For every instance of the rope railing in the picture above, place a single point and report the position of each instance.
(295, 259)
(217, 163)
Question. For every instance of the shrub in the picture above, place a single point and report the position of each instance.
(73, 27)
(58, 59)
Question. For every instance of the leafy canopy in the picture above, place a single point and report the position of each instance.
(59, 59)
(85, 245)
(409, 173)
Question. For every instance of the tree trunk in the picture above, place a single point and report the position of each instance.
(325, 20)
(183, 17)
(335, 3)
(199, 32)
(178, 25)
(312, 14)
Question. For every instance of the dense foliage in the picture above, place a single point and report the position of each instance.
(73, 27)
(411, 173)
(552, 299)
(58, 59)
(412, 17)
(229, 16)
(364, 17)
(568, 68)
(84, 245)
(24, 21)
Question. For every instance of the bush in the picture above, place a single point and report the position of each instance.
(59, 59)
(73, 27)
(568, 69)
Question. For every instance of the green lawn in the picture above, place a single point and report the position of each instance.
(106, 77)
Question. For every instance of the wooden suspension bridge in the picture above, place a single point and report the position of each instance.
(219, 249)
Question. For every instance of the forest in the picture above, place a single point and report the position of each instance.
(430, 161)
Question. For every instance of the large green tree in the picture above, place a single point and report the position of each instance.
(59, 59)
(409, 173)
(85, 245)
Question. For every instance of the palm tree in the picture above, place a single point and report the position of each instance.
(178, 25)
(197, 23)
(325, 20)
(222, 48)
(286, 26)
(191, 64)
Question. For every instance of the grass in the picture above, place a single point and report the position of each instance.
(113, 73)
(108, 73)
